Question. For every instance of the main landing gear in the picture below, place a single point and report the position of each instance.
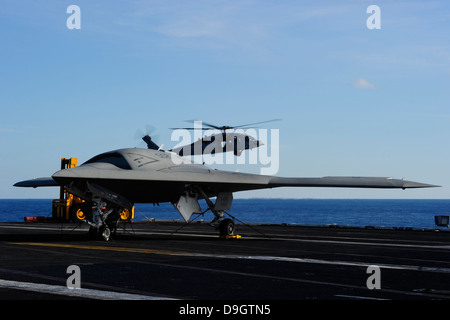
(227, 229)
(226, 226)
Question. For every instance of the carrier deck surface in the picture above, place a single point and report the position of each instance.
(171, 260)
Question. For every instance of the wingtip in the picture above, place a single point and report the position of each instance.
(412, 184)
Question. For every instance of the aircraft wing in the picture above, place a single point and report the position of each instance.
(167, 184)
(347, 182)
(37, 182)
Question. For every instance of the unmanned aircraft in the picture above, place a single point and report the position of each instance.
(114, 181)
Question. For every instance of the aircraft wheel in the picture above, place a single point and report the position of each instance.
(226, 227)
(106, 233)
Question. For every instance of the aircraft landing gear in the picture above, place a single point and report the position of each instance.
(226, 228)
(104, 219)
(105, 232)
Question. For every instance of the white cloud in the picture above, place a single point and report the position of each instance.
(362, 83)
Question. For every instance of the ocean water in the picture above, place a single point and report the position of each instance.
(341, 212)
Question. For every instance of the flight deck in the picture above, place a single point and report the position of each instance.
(166, 260)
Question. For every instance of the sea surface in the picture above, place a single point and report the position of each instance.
(341, 212)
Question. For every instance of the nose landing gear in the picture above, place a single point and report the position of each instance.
(104, 219)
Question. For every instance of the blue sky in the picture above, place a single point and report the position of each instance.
(353, 101)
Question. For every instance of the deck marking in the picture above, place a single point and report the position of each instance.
(359, 297)
(262, 276)
(244, 257)
(79, 293)
(273, 237)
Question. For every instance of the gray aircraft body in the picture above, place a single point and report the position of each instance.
(116, 180)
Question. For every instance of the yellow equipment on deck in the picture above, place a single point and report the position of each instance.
(71, 208)
(61, 208)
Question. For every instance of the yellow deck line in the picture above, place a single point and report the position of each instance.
(105, 248)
